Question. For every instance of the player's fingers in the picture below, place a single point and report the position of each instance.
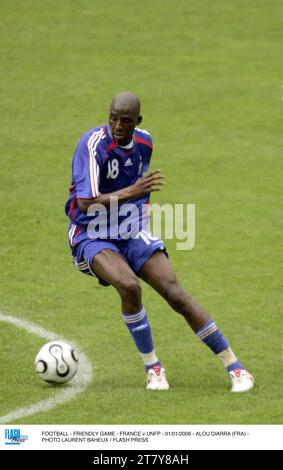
(156, 177)
(149, 185)
(154, 172)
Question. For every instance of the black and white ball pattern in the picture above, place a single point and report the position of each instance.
(56, 362)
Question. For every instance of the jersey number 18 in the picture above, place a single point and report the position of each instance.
(113, 169)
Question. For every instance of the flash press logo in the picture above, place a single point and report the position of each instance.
(13, 437)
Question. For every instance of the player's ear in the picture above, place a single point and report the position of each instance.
(139, 120)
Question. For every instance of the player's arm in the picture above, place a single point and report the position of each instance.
(153, 181)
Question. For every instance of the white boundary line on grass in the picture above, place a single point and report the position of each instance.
(76, 386)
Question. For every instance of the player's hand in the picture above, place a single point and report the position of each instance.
(153, 181)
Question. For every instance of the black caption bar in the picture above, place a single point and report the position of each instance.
(134, 458)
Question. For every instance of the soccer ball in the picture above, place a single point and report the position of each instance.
(56, 362)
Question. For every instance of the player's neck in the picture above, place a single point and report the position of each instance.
(127, 147)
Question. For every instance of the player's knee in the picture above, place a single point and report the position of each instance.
(129, 289)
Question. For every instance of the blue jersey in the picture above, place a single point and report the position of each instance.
(101, 166)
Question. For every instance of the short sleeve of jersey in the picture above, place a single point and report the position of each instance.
(86, 167)
(144, 140)
(149, 148)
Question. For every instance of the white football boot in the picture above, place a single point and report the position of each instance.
(242, 380)
(156, 379)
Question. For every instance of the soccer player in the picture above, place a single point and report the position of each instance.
(110, 161)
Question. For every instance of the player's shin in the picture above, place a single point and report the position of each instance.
(139, 327)
(214, 339)
(241, 379)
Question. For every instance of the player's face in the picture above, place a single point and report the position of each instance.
(122, 123)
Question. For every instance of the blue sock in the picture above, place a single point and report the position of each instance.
(138, 326)
(214, 339)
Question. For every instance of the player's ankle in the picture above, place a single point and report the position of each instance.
(156, 364)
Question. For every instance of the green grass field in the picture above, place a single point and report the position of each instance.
(209, 75)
